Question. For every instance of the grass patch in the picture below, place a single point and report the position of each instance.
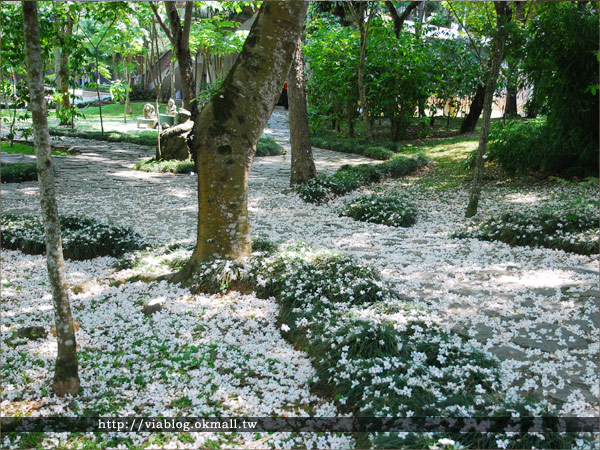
(25, 149)
(389, 210)
(82, 238)
(571, 231)
(18, 172)
(349, 178)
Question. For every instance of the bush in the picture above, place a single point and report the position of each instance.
(349, 178)
(162, 166)
(18, 173)
(141, 93)
(139, 137)
(268, 147)
(374, 149)
(570, 231)
(390, 210)
(82, 238)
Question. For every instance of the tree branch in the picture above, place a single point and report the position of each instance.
(163, 25)
(187, 25)
(400, 18)
(475, 47)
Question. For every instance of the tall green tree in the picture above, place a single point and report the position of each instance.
(228, 128)
(66, 377)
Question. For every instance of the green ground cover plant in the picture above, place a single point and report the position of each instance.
(391, 210)
(18, 172)
(364, 341)
(82, 238)
(571, 231)
(162, 166)
(349, 178)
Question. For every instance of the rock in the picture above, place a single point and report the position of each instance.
(151, 309)
(32, 333)
(76, 327)
(173, 142)
(505, 352)
(182, 116)
(83, 287)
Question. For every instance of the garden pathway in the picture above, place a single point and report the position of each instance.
(535, 309)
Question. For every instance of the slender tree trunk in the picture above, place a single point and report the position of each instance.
(66, 378)
(503, 15)
(303, 165)
(227, 130)
(362, 89)
(172, 70)
(179, 35)
(98, 91)
(469, 123)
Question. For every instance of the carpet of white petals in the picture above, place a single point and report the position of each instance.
(535, 309)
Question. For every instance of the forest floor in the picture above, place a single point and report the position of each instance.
(534, 309)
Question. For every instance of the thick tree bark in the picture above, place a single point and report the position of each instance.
(469, 123)
(503, 16)
(303, 165)
(66, 378)
(227, 130)
(179, 35)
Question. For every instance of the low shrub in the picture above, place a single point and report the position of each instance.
(268, 147)
(162, 166)
(82, 238)
(371, 149)
(349, 178)
(18, 172)
(142, 137)
(570, 231)
(389, 210)
(521, 147)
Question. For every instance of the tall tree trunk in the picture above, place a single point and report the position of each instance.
(303, 165)
(469, 123)
(227, 130)
(179, 35)
(503, 15)
(363, 26)
(399, 19)
(172, 70)
(66, 378)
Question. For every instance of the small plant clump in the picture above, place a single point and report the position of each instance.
(268, 147)
(389, 210)
(165, 165)
(349, 178)
(18, 172)
(82, 238)
(571, 231)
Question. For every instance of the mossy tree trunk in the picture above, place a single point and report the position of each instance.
(503, 16)
(303, 165)
(228, 128)
(66, 378)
